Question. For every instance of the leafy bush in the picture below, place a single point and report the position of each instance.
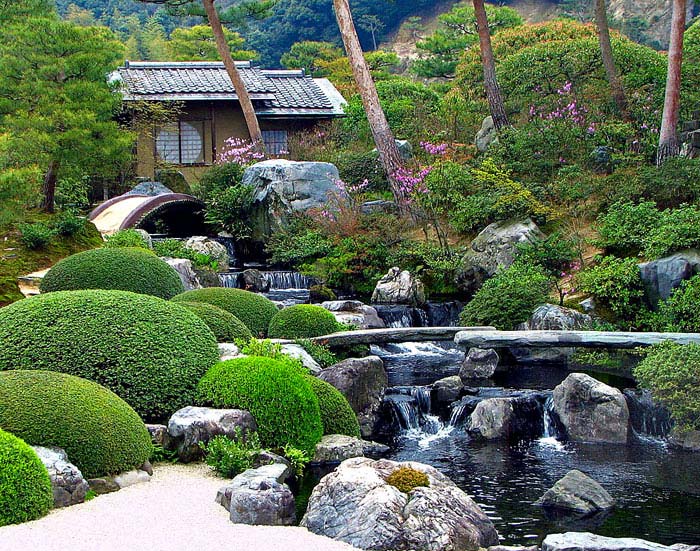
(225, 326)
(554, 253)
(321, 293)
(406, 479)
(615, 284)
(679, 229)
(508, 298)
(355, 168)
(297, 458)
(625, 228)
(302, 321)
(175, 248)
(255, 311)
(148, 351)
(336, 414)
(36, 236)
(124, 269)
(322, 354)
(127, 238)
(672, 373)
(100, 433)
(681, 312)
(68, 223)
(217, 178)
(276, 393)
(264, 348)
(25, 488)
(230, 457)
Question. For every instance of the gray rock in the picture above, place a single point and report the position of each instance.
(494, 247)
(588, 305)
(405, 149)
(688, 441)
(146, 237)
(513, 548)
(296, 351)
(399, 287)
(67, 482)
(253, 280)
(447, 390)
(590, 411)
(585, 541)
(509, 418)
(662, 276)
(354, 312)
(131, 478)
(486, 135)
(191, 425)
(362, 381)
(577, 493)
(104, 485)
(334, 448)
(204, 245)
(147, 468)
(151, 189)
(374, 449)
(228, 351)
(184, 269)
(355, 504)
(479, 363)
(159, 434)
(379, 207)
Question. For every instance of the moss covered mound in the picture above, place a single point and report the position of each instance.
(225, 326)
(254, 310)
(148, 351)
(275, 392)
(25, 488)
(99, 431)
(336, 414)
(303, 321)
(123, 268)
(407, 479)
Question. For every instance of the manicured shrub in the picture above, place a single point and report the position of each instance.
(225, 326)
(276, 393)
(99, 431)
(148, 351)
(615, 284)
(407, 479)
(127, 238)
(36, 236)
(25, 488)
(336, 414)
(254, 310)
(125, 269)
(302, 321)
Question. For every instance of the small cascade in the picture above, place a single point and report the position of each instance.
(647, 417)
(411, 410)
(230, 245)
(280, 280)
(401, 315)
(550, 433)
(443, 314)
(229, 279)
(286, 287)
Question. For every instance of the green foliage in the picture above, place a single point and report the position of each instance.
(175, 248)
(615, 284)
(36, 236)
(672, 373)
(254, 310)
(120, 268)
(197, 44)
(302, 321)
(406, 479)
(297, 244)
(320, 353)
(161, 455)
(230, 457)
(321, 293)
(355, 168)
(276, 393)
(128, 238)
(508, 298)
(150, 352)
(25, 488)
(225, 326)
(263, 348)
(681, 312)
(72, 192)
(679, 229)
(307, 54)
(297, 458)
(68, 223)
(554, 253)
(336, 414)
(218, 178)
(100, 433)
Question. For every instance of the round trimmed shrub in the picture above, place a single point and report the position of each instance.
(99, 431)
(336, 414)
(123, 268)
(276, 393)
(225, 326)
(303, 321)
(148, 351)
(254, 310)
(25, 487)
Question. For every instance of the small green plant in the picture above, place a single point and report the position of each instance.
(68, 223)
(90, 495)
(231, 456)
(406, 479)
(126, 238)
(225, 326)
(299, 459)
(322, 354)
(161, 455)
(174, 248)
(264, 348)
(36, 236)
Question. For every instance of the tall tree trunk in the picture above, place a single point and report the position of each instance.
(668, 136)
(48, 189)
(389, 154)
(616, 89)
(251, 119)
(493, 90)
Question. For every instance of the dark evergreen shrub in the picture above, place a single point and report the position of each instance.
(302, 321)
(225, 326)
(336, 414)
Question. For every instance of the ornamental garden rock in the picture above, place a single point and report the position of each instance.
(67, 482)
(578, 494)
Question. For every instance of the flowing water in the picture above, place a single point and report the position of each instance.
(287, 287)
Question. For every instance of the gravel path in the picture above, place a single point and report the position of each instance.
(174, 511)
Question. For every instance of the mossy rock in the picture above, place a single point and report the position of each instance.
(336, 414)
(303, 321)
(406, 479)
(225, 326)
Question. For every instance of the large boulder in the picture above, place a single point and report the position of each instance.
(591, 411)
(399, 287)
(204, 245)
(67, 482)
(486, 135)
(494, 247)
(585, 541)
(297, 352)
(447, 390)
(688, 441)
(334, 448)
(184, 269)
(354, 312)
(362, 381)
(479, 363)
(253, 280)
(662, 276)
(578, 494)
(510, 418)
(355, 504)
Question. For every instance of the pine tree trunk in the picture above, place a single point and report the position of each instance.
(668, 135)
(48, 188)
(616, 89)
(493, 90)
(251, 119)
(389, 154)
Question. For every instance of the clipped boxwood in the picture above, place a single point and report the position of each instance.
(25, 487)
(225, 326)
(254, 310)
(336, 414)
(99, 431)
(276, 393)
(303, 321)
(148, 351)
(123, 268)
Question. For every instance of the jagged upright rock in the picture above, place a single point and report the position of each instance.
(479, 363)
(204, 245)
(67, 482)
(399, 287)
(184, 269)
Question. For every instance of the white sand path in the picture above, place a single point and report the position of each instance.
(175, 511)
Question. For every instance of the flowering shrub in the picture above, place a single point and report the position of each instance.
(239, 151)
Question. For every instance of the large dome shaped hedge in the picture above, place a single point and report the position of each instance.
(275, 392)
(302, 321)
(336, 414)
(122, 268)
(225, 326)
(99, 431)
(25, 487)
(254, 310)
(148, 351)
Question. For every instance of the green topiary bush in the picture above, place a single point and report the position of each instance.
(225, 326)
(99, 431)
(336, 414)
(276, 393)
(25, 488)
(148, 351)
(127, 238)
(302, 321)
(254, 310)
(406, 479)
(125, 269)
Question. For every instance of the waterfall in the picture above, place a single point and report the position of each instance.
(230, 244)
(550, 433)
(287, 280)
(647, 417)
(411, 409)
(229, 279)
(398, 315)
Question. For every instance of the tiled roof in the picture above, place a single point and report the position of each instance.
(273, 92)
